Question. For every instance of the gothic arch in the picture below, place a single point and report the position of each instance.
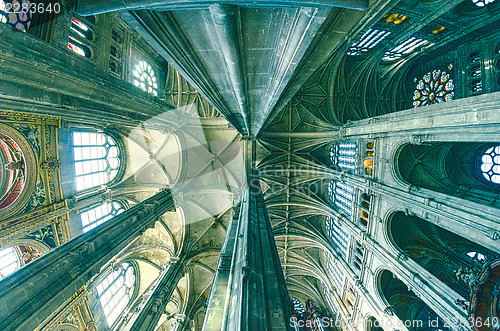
(404, 304)
(372, 324)
(439, 251)
(450, 168)
(28, 170)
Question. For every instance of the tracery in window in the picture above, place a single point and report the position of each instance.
(482, 3)
(329, 298)
(115, 292)
(9, 262)
(344, 155)
(490, 164)
(145, 78)
(434, 87)
(100, 214)
(338, 235)
(476, 256)
(19, 15)
(369, 40)
(97, 159)
(404, 48)
(298, 307)
(342, 195)
(334, 271)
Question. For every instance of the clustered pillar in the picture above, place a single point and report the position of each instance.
(27, 298)
(157, 297)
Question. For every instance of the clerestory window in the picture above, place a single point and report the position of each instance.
(97, 159)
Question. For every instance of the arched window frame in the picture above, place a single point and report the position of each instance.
(338, 235)
(334, 271)
(342, 196)
(404, 48)
(10, 261)
(484, 176)
(144, 77)
(113, 178)
(344, 155)
(329, 298)
(81, 37)
(368, 40)
(482, 3)
(98, 214)
(113, 286)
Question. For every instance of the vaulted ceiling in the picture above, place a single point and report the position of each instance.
(279, 71)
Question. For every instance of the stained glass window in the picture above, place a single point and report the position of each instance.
(298, 307)
(81, 29)
(482, 3)
(9, 262)
(100, 214)
(342, 195)
(18, 15)
(79, 48)
(145, 78)
(434, 87)
(405, 47)
(338, 235)
(344, 155)
(97, 159)
(490, 164)
(115, 292)
(334, 271)
(370, 39)
(81, 35)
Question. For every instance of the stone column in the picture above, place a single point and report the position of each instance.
(157, 297)
(249, 290)
(31, 294)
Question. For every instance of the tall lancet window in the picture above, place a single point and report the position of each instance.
(490, 164)
(9, 262)
(97, 159)
(343, 155)
(342, 196)
(329, 298)
(404, 48)
(369, 40)
(115, 292)
(80, 37)
(338, 235)
(334, 271)
(97, 215)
